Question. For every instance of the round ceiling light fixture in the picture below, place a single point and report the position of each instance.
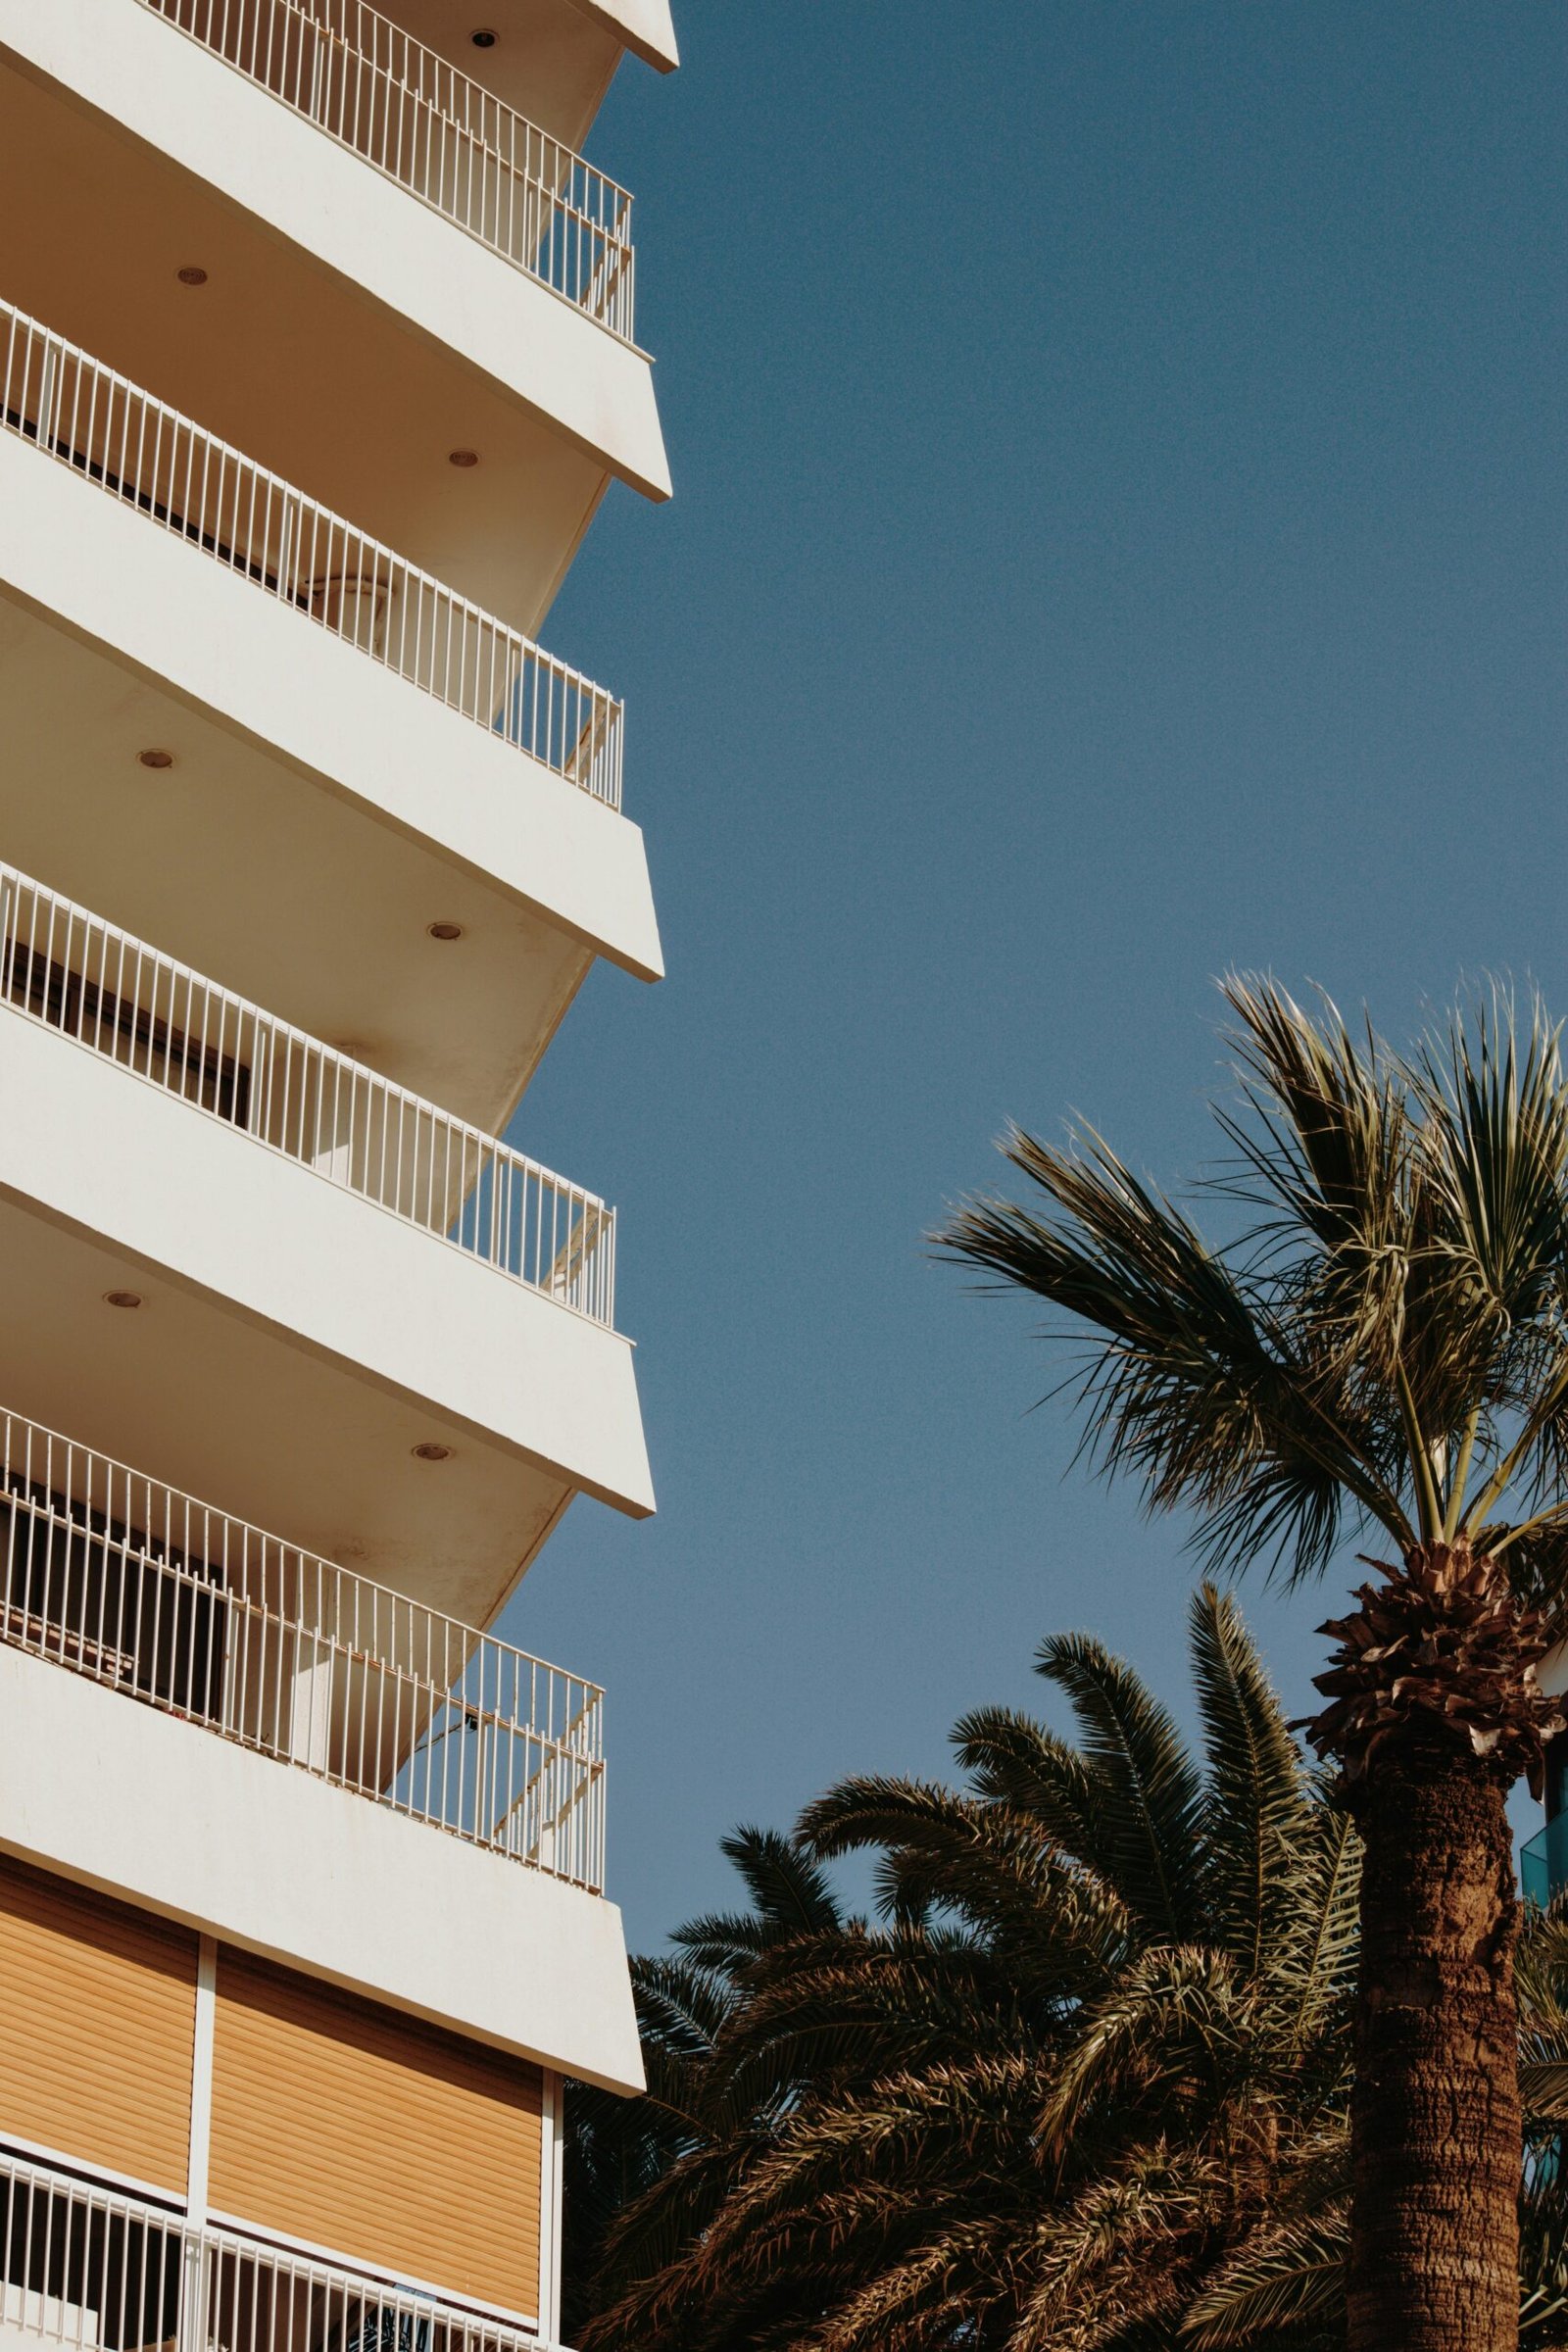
(444, 930)
(483, 37)
(462, 458)
(191, 276)
(432, 1452)
(155, 758)
(125, 1299)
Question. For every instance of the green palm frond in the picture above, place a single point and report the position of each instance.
(838, 2015)
(1328, 1150)
(1390, 1342)
(790, 1891)
(1289, 2277)
(1494, 1148)
(791, 1895)
(990, 1866)
(1151, 1793)
(680, 2006)
(1311, 1962)
(1117, 2255)
(1259, 1812)
(1189, 1379)
(1020, 2112)
(1177, 2016)
(1544, 2256)
(1013, 1760)
(1538, 1572)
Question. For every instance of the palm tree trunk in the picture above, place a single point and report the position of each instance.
(1436, 2132)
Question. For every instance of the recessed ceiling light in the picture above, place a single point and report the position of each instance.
(464, 457)
(156, 758)
(191, 276)
(444, 930)
(122, 1297)
(484, 38)
(432, 1453)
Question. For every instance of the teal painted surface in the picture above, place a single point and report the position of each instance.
(1544, 1862)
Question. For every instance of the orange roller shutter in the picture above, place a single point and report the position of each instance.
(95, 2061)
(358, 2129)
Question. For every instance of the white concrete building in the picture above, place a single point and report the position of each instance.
(318, 352)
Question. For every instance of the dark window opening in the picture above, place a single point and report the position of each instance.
(112, 1601)
(90, 1012)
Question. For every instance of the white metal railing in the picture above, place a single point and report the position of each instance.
(139, 1588)
(226, 1056)
(438, 134)
(87, 2267)
(151, 457)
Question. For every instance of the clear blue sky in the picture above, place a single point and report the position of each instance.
(1118, 533)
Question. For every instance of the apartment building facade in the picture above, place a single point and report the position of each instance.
(319, 351)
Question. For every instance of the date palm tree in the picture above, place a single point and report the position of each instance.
(620, 2152)
(1284, 2286)
(1099, 2035)
(1383, 1356)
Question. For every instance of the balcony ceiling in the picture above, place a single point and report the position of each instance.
(551, 62)
(215, 1404)
(282, 358)
(330, 930)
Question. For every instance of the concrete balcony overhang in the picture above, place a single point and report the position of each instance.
(644, 26)
(295, 1342)
(552, 60)
(137, 1804)
(359, 807)
(347, 335)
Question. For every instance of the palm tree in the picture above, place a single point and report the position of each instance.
(1286, 2283)
(617, 2150)
(1384, 1350)
(1101, 2030)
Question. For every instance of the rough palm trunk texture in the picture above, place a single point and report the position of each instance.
(1435, 2119)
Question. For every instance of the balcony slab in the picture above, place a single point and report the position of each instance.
(137, 1804)
(357, 808)
(295, 1342)
(348, 336)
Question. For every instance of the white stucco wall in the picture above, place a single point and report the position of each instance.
(166, 1814)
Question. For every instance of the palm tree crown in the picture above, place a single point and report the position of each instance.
(1097, 2033)
(1391, 1335)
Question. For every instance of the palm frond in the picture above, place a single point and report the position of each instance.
(990, 1866)
(1176, 2014)
(1013, 1760)
(1288, 2276)
(1259, 1814)
(1189, 1381)
(1493, 1141)
(1151, 1794)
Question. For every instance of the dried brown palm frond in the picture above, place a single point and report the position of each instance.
(1440, 1653)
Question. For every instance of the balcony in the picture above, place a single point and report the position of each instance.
(362, 808)
(90, 2268)
(288, 547)
(169, 212)
(251, 1263)
(145, 1592)
(438, 134)
(265, 1080)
